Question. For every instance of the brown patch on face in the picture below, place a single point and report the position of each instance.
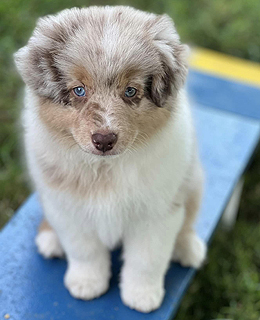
(129, 73)
(55, 116)
(150, 120)
(82, 76)
(131, 76)
(58, 120)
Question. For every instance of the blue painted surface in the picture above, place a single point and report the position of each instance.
(224, 94)
(32, 288)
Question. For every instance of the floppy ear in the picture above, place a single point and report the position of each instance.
(171, 73)
(37, 61)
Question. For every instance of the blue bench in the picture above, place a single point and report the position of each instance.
(32, 288)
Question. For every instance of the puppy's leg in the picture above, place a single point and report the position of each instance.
(88, 271)
(190, 250)
(147, 253)
(47, 242)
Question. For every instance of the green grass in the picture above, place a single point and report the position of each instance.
(228, 287)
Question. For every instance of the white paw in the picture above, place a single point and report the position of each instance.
(190, 250)
(86, 283)
(48, 244)
(143, 298)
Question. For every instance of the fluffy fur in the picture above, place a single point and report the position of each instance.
(145, 192)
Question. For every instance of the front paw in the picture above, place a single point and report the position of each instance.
(190, 250)
(86, 282)
(142, 297)
(48, 244)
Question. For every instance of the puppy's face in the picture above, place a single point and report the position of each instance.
(104, 76)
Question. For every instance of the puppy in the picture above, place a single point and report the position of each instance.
(111, 148)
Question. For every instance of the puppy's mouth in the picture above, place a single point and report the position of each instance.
(102, 154)
(109, 154)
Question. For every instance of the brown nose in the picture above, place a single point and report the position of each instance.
(104, 142)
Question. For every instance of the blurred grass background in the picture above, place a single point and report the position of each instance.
(229, 286)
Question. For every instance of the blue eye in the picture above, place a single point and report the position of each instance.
(79, 91)
(130, 92)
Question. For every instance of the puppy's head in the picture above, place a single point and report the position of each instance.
(104, 76)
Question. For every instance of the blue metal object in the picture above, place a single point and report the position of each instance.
(32, 288)
(220, 93)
